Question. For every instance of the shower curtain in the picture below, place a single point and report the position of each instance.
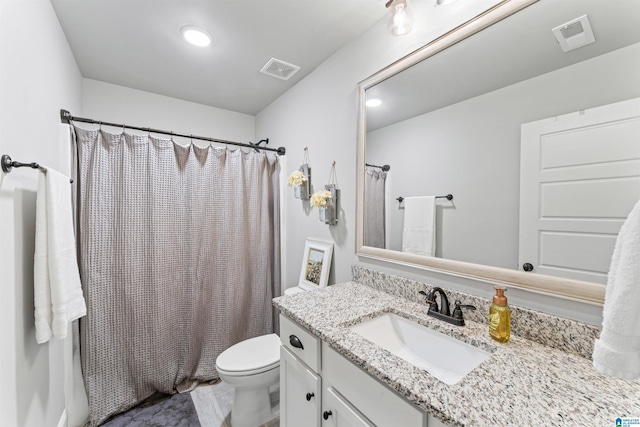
(374, 207)
(179, 258)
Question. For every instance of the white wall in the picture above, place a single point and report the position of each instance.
(472, 149)
(119, 104)
(320, 113)
(38, 76)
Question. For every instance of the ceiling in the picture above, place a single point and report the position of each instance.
(137, 44)
(515, 49)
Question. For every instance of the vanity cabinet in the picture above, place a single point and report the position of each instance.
(343, 394)
(300, 392)
(338, 412)
(300, 383)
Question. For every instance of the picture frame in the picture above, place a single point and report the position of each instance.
(316, 263)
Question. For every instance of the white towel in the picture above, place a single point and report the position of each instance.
(617, 352)
(419, 231)
(57, 292)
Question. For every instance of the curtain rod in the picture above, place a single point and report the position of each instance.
(66, 117)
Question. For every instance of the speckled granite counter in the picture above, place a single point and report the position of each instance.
(523, 383)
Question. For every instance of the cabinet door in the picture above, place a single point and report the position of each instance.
(338, 412)
(300, 390)
(379, 403)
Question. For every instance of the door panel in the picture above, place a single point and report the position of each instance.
(579, 179)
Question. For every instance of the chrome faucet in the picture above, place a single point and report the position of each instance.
(443, 312)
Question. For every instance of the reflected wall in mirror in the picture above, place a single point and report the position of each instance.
(539, 146)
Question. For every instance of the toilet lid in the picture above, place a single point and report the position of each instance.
(250, 355)
(293, 291)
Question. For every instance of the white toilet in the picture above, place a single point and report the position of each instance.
(252, 367)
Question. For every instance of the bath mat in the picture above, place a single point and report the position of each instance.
(159, 411)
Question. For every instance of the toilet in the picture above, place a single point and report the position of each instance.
(252, 368)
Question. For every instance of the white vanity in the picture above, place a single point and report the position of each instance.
(332, 376)
(321, 387)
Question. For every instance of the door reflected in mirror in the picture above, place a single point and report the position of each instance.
(538, 145)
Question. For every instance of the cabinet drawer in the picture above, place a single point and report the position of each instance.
(300, 342)
(380, 404)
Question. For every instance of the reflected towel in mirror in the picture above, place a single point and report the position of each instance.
(419, 230)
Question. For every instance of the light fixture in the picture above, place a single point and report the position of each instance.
(444, 2)
(373, 102)
(400, 19)
(196, 36)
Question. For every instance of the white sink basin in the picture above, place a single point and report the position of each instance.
(444, 357)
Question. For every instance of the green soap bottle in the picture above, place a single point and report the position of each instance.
(499, 317)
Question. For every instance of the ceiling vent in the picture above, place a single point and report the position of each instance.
(574, 34)
(279, 69)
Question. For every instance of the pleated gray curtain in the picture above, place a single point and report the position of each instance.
(374, 207)
(179, 258)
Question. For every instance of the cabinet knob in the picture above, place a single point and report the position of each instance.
(326, 415)
(309, 396)
(527, 266)
(295, 341)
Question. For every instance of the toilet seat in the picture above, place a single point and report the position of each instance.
(250, 357)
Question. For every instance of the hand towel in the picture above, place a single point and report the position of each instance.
(617, 351)
(57, 291)
(419, 230)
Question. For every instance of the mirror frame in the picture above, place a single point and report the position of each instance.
(585, 292)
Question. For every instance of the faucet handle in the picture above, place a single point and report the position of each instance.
(457, 311)
(429, 299)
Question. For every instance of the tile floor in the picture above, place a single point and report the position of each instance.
(206, 406)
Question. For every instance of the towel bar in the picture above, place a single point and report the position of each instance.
(448, 197)
(7, 165)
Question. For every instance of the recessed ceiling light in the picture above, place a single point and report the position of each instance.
(196, 35)
(373, 102)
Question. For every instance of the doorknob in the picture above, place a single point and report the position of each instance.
(527, 266)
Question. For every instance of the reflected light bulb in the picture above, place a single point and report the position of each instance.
(400, 20)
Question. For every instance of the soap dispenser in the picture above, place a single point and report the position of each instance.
(499, 317)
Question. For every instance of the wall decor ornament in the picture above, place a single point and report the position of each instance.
(300, 180)
(327, 200)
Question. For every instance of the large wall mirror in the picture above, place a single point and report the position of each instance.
(529, 116)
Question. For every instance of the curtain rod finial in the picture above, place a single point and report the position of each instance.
(65, 116)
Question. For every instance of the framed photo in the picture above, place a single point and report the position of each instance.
(316, 263)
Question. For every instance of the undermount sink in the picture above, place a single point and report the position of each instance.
(444, 357)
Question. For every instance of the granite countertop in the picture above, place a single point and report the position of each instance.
(522, 383)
